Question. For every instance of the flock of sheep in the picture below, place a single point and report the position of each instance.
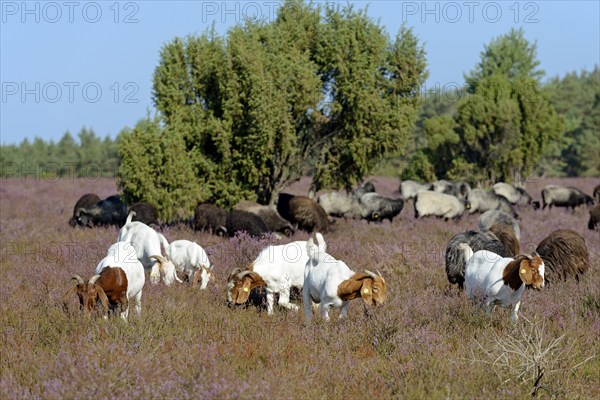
(486, 262)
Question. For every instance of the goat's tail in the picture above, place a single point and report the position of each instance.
(315, 249)
(130, 217)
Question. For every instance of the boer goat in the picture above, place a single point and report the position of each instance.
(279, 268)
(191, 259)
(499, 281)
(330, 283)
(119, 278)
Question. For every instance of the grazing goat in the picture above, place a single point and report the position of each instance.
(507, 237)
(455, 262)
(212, 218)
(330, 283)
(438, 204)
(409, 189)
(377, 208)
(497, 217)
(88, 200)
(110, 211)
(594, 221)
(270, 216)
(147, 245)
(191, 259)
(119, 278)
(514, 194)
(303, 211)
(482, 201)
(565, 255)
(561, 196)
(501, 281)
(279, 268)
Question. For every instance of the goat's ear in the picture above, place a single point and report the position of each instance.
(196, 277)
(102, 297)
(366, 290)
(525, 272)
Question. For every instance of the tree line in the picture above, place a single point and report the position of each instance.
(327, 92)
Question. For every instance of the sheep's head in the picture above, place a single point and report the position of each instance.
(240, 284)
(163, 267)
(89, 294)
(369, 286)
(531, 271)
(202, 276)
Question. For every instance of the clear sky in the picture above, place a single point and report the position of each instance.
(69, 64)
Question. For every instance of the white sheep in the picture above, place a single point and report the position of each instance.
(438, 204)
(331, 283)
(278, 268)
(191, 259)
(501, 281)
(147, 244)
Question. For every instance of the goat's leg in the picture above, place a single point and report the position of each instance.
(138, 303)
(325, 311)
(345, 307)
(514, 314)
(284, 299)
(307, 303)
(124, 307)
(270, 301)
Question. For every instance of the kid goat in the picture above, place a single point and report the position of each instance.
(501, 281)
(331, 283)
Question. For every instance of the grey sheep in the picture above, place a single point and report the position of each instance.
(497, 217)
(482, 201)
(438, 204)
(514, 194)
(477, 240)
(457, 189)
(565, 255)
(340, 205)
(561, 196)
(378, 208)
(409, 189)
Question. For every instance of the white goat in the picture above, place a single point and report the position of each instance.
(501, 281)
(278, 268)
(147, 245)
(331, 283)
(191, 259)
(121, 258)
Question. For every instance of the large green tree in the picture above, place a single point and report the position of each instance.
(321, 90)
(504, 127)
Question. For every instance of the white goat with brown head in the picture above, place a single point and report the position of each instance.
(331, 283)
(499, 281)
(119, 278)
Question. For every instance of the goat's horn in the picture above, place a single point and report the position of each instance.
(77, 278)
(243, 274)
(93, 279)
(160, 259)
(371, 274)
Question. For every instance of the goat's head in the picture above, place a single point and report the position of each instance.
(531, 271)
(163, 267)
(89, 294)
(202, 275)
(239, 285)
(369, 286)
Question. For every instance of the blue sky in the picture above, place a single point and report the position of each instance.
(69, 64)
